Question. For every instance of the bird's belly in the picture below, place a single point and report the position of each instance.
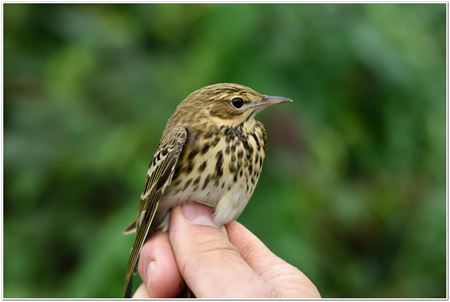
(209, 196)
(234, 198)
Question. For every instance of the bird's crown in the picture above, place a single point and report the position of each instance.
(227, 102)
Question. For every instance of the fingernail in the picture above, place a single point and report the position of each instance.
(150, 269)
(198, 214)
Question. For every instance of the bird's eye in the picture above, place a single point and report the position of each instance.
(237, 102)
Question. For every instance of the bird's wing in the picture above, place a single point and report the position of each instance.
(159, 176)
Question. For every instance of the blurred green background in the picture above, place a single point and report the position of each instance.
(353, 188)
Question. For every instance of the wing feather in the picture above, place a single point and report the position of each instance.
(158, 178)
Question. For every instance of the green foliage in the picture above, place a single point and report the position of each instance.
(353, 189)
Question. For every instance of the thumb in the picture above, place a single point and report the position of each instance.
(208, 262)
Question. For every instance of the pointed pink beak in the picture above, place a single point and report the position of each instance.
(269, 100)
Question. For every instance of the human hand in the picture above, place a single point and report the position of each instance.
(227, 262)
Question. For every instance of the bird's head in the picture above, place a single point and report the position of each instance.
(229, 104)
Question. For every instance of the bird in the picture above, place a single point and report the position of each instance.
(211, 151)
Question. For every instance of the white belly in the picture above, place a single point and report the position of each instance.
(228, 204)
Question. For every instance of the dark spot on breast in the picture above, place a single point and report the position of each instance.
(206, 182)
(205, 148)
(227, 149)
(240, 153)
(202, 167)
(219, 163)
(187, 183)
(164, 152)
(228, 139)
(189, 168)
(249, 149)
(193, 154)
(197, 180)
(215, 141)
(208, 135)
(255, 137)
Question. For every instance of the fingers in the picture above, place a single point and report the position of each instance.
(210, 265)
(214, 264)
(158, 269)
(255, 253)
(289, 281)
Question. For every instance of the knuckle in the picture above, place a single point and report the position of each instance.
(262, 289)
(217, 248)
(207, 252)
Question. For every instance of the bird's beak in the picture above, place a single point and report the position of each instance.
(269, 100)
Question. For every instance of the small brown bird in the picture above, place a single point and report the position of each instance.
(211, 151)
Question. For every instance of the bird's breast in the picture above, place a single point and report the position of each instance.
(215, 163)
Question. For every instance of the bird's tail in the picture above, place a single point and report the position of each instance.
(141, 235)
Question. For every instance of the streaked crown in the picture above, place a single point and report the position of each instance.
(226, 102)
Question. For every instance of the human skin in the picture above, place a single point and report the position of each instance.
(215, 262)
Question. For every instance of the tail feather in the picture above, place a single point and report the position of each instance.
(141, 235)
